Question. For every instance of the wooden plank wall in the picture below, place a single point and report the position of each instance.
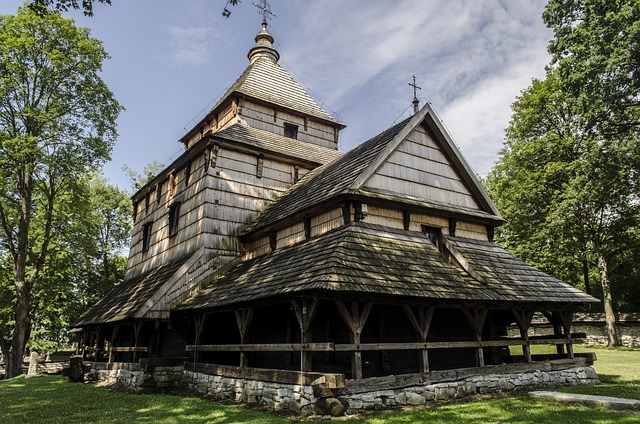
(215, 205)
(225, 117)
(264, 118)
(192, 224)
(419, 168)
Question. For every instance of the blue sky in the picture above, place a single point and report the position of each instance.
(172, 59)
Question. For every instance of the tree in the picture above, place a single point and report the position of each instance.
(41, 6)
(568, 193)
(87, 6)
(597, 51)
(149, 172)
(57, 122)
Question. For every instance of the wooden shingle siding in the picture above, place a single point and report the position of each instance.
(471, 231)
(326, 221)
(430, 176)
(261, 117)
(418, 220)
(391, 218)
(291, 235)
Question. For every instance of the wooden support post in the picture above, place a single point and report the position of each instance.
(137, 326)
(355, 320)
(565, 318)
(305, 315)
(523, 320)
(243, 318)
(99, 344)
(199, 321)
(421, 324)
(156, 352)
(475, 318)
(557, 329)
(114, 335)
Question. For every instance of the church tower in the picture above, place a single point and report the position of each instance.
(266, 97)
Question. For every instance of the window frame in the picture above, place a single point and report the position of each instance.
(174, 218)
(146, 236)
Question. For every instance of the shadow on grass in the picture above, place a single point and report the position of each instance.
(612, 385)
(520, 409)
(50, 399)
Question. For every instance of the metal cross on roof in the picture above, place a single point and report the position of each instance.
(265, 11)
(415, 95)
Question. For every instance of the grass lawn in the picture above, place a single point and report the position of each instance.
(51, 399)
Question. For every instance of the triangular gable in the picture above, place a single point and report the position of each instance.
(423, 162)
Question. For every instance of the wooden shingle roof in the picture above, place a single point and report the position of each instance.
(130, 298)
(269, 142)
(512, 278)
(265, 80)
(327, 181)
(357, 258)
(372, 260)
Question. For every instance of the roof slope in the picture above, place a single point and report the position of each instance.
(127, 299)
(513, 278)
(349, 174)
(274, 143)
(265, 80)
(357, 258)
(327, 181)
(369, 259)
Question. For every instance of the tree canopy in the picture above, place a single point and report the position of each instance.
(57, 123)
(567, 177)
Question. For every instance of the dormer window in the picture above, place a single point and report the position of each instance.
(434, 235)
(290, 130)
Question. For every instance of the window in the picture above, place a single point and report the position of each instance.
(146, 236)
(290, 131)
(434, 235)
(174, 214)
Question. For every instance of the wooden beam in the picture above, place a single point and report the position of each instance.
(353, 347)
(476, 317)
(243, 319)
(523, 321)
(305, 316)
(355, 320)
(421, 324)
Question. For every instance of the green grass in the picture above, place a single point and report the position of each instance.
(52, 399)
(520, 409)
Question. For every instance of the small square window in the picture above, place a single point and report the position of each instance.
(146, 236)
(174, 215)
(290, 131)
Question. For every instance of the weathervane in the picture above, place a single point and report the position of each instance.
(415, 96)
(265, 11)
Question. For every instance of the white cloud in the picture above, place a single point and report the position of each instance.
(471, 60)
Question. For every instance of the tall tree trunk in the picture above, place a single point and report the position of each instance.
(21, 330)
(607, 299)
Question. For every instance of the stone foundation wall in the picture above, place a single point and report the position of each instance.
(133, 376)
(474, 385)
(298, 399)
(355, 398)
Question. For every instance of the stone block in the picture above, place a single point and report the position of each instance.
(415, 399)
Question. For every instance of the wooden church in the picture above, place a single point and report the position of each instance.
(263, 247)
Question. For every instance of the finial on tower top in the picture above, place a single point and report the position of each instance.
(265, 11)
(264, 41)
(415, 101)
